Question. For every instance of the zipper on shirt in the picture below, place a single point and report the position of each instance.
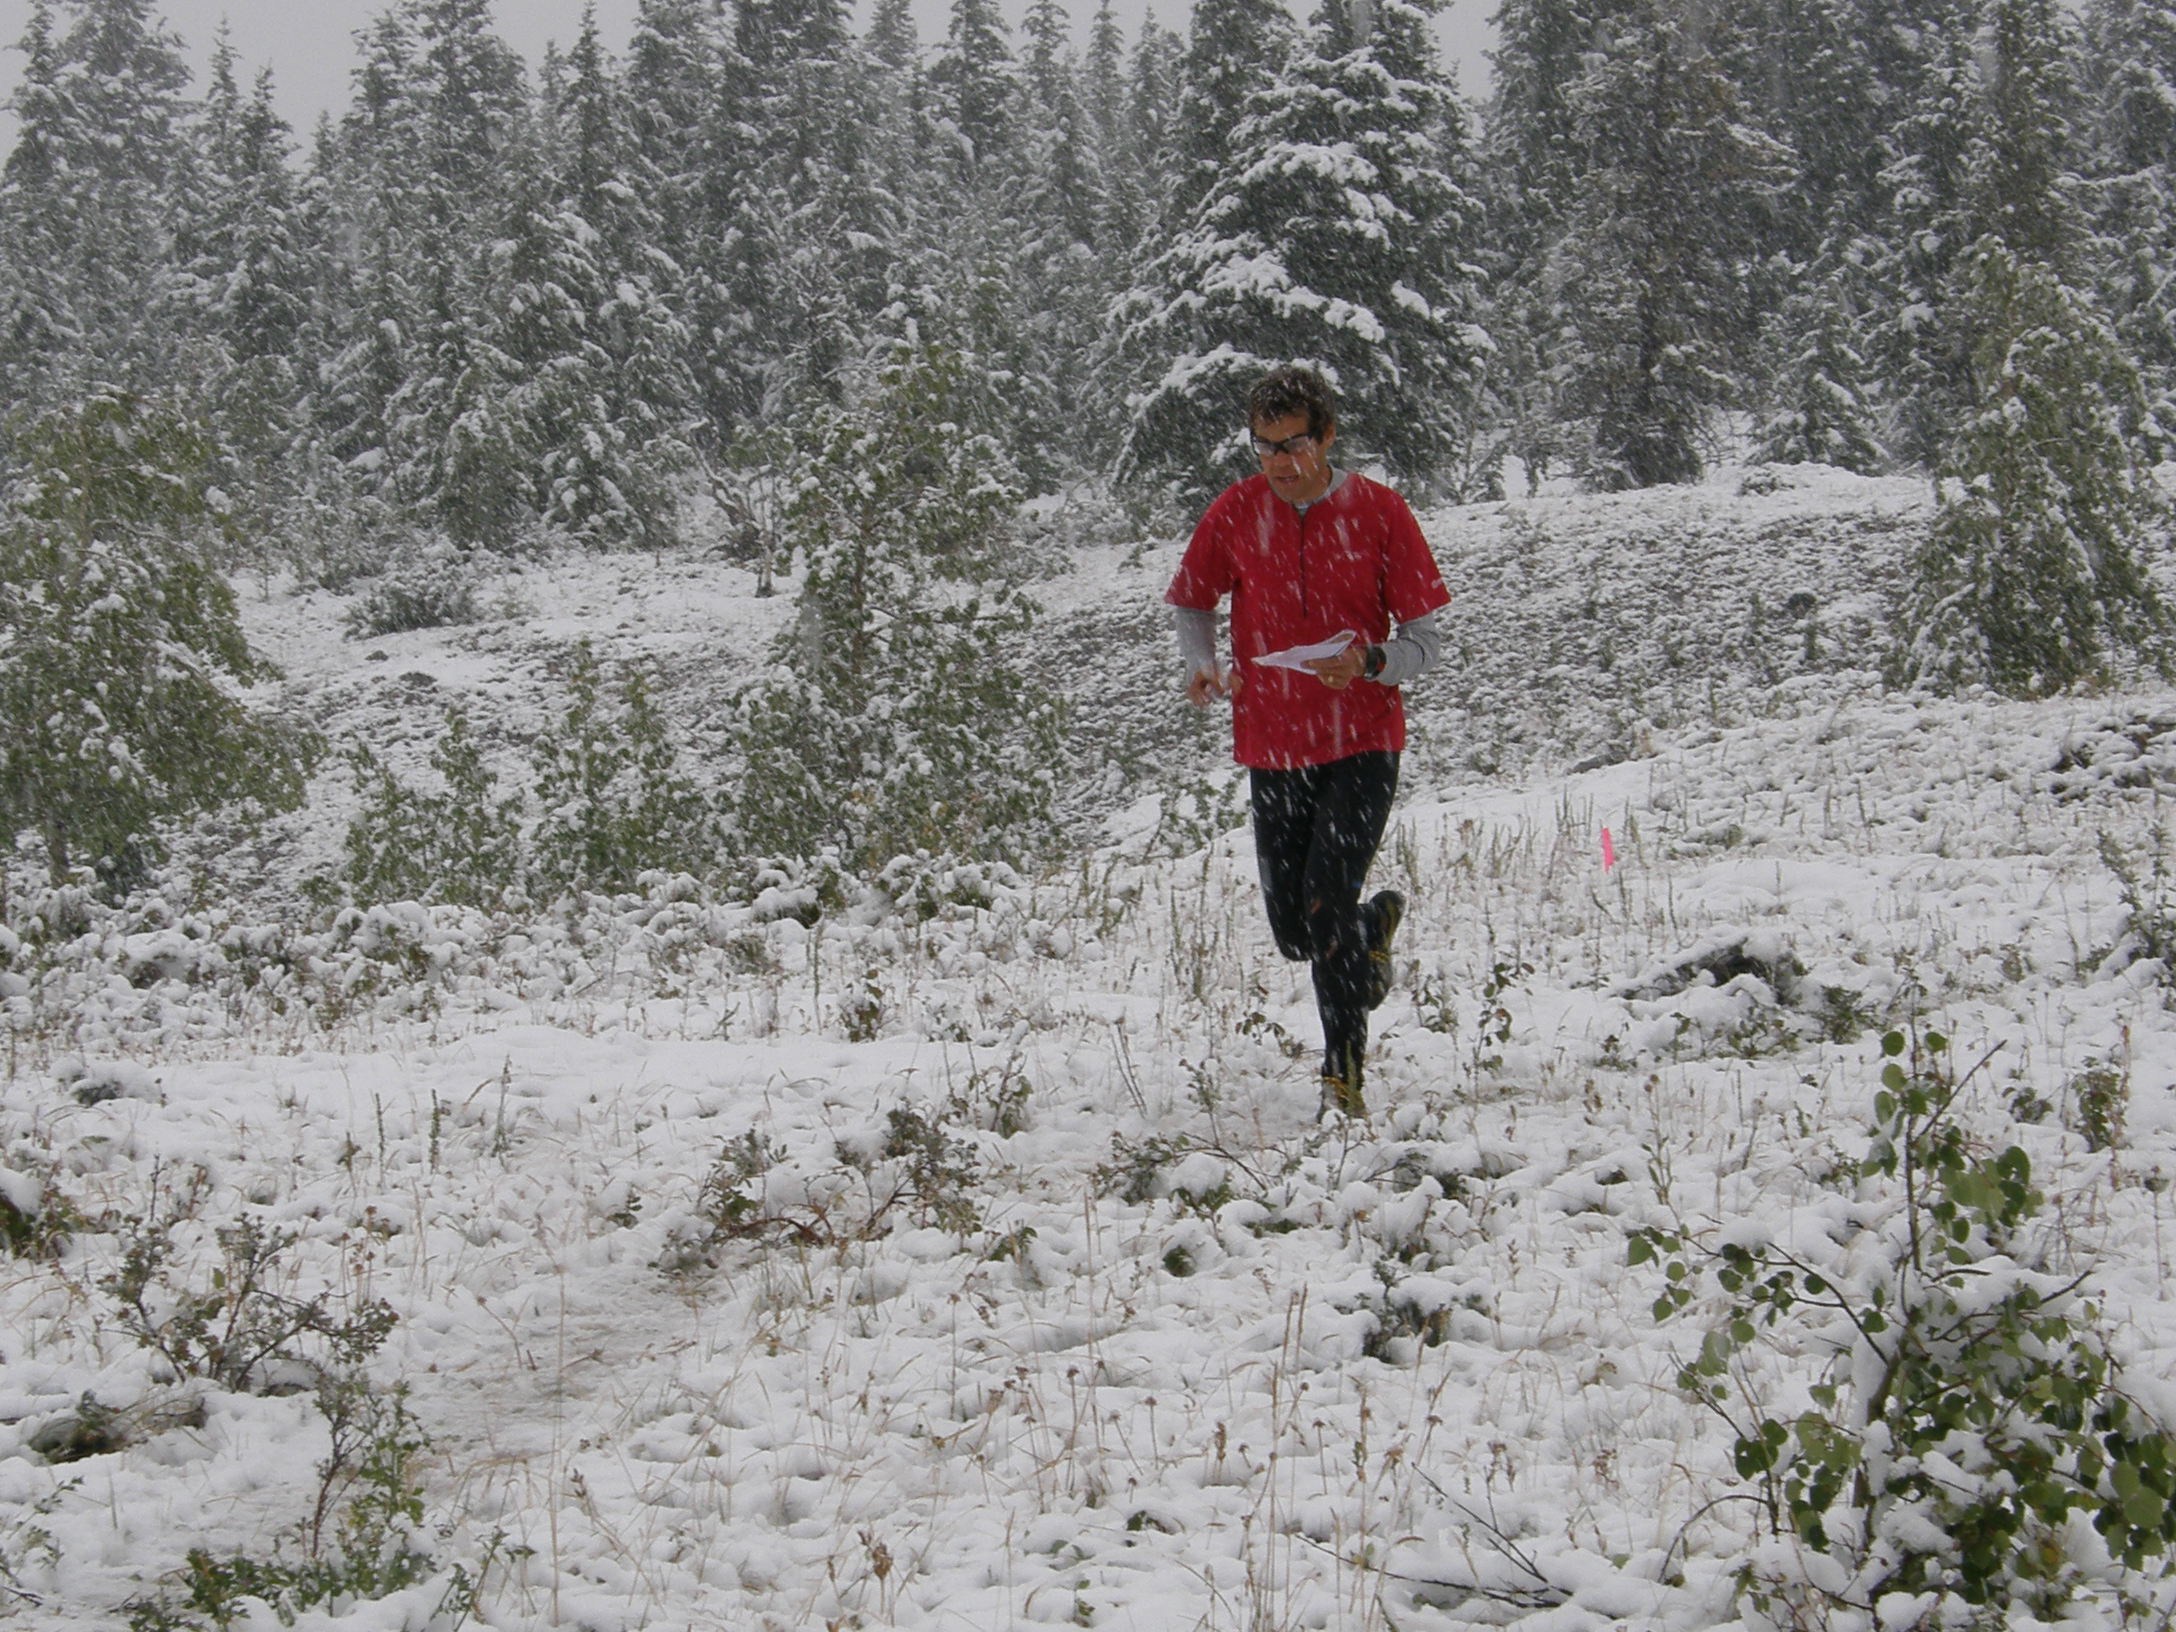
(1336, 480)
(1306, 611)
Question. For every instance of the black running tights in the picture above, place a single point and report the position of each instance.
(1316, 830)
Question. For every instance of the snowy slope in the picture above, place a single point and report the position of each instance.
(1117, 1335)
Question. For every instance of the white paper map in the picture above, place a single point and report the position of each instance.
(1298, 657)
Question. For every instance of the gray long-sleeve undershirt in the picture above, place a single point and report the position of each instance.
(1410, 650)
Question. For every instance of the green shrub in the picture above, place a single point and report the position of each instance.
(1976, 1406)
(2148, 888)
(902, 717)
(424, 586)
(461, 845)
(24, 1539)
(121, 654)
(615, 801)
(36, 1219)
(362, 1541)
(237, 1327)
(2101, 1097)
(917, 1173)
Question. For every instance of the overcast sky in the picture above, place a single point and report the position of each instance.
(310, 44)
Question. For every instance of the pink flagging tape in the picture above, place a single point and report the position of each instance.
(1609, 851)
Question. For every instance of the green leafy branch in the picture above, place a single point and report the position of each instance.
(1975, 1406)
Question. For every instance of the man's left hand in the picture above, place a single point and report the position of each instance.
(1342, 670)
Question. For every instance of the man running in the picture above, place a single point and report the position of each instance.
(1314, 557)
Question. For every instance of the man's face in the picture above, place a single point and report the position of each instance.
(1297, 464)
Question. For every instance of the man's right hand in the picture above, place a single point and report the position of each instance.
(1208, 683)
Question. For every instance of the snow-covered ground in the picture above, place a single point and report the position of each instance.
(992, 1270)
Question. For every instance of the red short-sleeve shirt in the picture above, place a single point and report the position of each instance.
(1354, 559)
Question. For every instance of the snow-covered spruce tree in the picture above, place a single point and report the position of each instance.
(1341, 240)
(894, 45)
(1820, 390)
(1155, 81)
(1807, 70)
(2032, 576)
(469, 457)
(369, 169)
(598, 354)
(473, 106)
(669, 85)
(1530, 164)
(87, 204)
(975, 86)
(415, 401)
(2031, 579)
(1810, 77)
(802, 257)
(2130, 136)
(903, 717)
(1235, 50)
(1532, 150)
(899, 137)
(1918, 349)
(214, 129)
(1130, 161)
(37, 315)
(122, 662)
(1063, 273)
(1652, 278)
(247, 269)
(2021, 182)
(1161, 358)
(1124, 197)
(1405, 248)
(472, 417)
(722, 271)
(673, 86)
(996, 274)
(2128, 62)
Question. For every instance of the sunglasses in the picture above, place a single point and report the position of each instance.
(1293, 446)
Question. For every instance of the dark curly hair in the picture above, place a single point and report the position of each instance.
(1293, 390)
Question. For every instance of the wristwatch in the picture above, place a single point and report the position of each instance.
(1372, 664)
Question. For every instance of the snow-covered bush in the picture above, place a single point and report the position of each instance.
(424, 586)
(903, 719)
(122, 661)
(1054, 530)
(615, 805)
(460, 844)
(363, 1539)
(242, 1327)
(85, 984)
(915, 1172)
(1971, 1406)
(615, 801)
(36, 1217)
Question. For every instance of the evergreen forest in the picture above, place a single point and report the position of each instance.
(482, 302)
(628, 996)
(860, 301)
